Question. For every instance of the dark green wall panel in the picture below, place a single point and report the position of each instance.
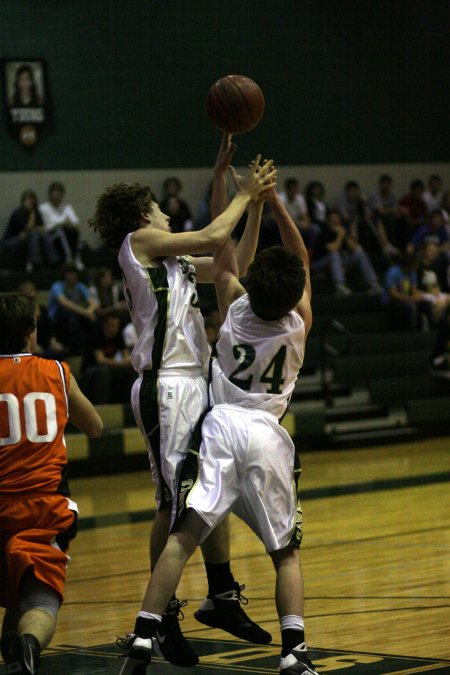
(345, 81)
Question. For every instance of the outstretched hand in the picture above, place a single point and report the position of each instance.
(225, 155)
(259, 179)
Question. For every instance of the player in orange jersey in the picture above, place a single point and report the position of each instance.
(37, 517)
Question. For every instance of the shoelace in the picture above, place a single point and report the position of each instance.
(122, 643)
(177, 611)
(242, 599)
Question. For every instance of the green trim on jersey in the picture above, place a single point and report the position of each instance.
(160, 287)
(297, 532)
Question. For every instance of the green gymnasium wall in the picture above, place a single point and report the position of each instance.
(346, 81)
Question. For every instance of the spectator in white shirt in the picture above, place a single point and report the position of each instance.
(61, 220)
(433, 195)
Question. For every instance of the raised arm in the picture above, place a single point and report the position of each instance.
(293, 242)
(152, 242)
(219, 197)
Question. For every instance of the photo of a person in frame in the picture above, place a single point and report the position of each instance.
(25, 85)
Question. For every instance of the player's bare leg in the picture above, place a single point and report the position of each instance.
(289, 597)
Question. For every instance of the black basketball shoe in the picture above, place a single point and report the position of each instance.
(170, 642)
(138, 654)
(297, 662)
(224, 611)
(20, 653)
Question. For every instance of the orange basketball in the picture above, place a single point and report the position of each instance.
(235, 104)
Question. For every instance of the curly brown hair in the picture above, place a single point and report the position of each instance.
(119, 210)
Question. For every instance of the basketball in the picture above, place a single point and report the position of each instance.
(235, 104)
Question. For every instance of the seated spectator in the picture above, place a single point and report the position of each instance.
(25, 236)
(414, 205)
(106, 372)
(72, 310)
(433, 195)
(337, 252)
(295, 205)
(108, 294)
(204, 209)
(428, 283)
(384, 206)
(445, 209)
(407, 306)
(363, 225)
(435, 232)
(172, 187)
(61, 221)
(179, 220)
(47, 345)
(317, 208)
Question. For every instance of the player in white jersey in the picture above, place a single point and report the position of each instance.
(245, 462)
(171, 351)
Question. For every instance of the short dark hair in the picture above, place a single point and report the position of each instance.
(275, 283)
(18, 321)
(417, 183)
(119, 210)
(290, 182)
(56, 185)
(385, 178)
(351, 184)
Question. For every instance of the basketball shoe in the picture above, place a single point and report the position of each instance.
(138, 654)
(21, 653)
(170, 642)
(224, 611)
(297, 662)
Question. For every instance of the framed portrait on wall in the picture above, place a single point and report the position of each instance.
(26, 94)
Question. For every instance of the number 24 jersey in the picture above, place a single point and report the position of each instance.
(257, 361)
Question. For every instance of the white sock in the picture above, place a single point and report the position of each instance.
(292, 622)
(148, 615)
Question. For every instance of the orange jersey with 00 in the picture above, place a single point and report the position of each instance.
(33, 416)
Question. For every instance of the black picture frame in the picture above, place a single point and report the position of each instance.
(27, 97)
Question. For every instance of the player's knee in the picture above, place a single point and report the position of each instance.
(34, 594)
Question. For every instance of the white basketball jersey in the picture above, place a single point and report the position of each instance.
(257, 361)
(165, 312)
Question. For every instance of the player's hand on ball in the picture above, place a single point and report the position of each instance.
(259, 178)
(225, 155)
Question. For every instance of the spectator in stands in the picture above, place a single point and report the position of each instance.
(338, 252)
(204, 209)
(384, 206)
(25, 236)
(172, 187)
(435, 232)
(106, 371)
(363, 225)
(315, 204)
(414, 205)
(428, 282)
(72, 310)
(407, 306)
(47, 345)
(108, 294)
(295, 205)
(433, 195)
(445, 208)
(179, 220)
(62, 222)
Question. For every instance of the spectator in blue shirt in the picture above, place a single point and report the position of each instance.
(72, 310)
(406, 305)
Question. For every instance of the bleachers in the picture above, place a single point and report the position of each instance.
(379, 386)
